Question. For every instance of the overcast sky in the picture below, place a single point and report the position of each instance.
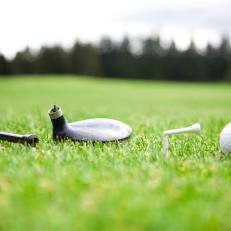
(46, 22)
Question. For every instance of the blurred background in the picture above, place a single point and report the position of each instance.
(70, 53)
(167, 40)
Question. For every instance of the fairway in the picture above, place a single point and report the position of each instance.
(115, 186)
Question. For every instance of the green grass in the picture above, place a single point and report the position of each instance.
(115, 186)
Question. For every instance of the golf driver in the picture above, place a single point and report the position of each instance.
(195, 128)
(102, 130)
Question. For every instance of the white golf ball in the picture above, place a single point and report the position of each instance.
(225, 139)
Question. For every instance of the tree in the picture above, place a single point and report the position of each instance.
(51, 60)
(23, 63)
(4, 66)
(172, 63)
(150, 61)
(106, 45)
(217, 60)
(192, 68)
(117, 59)
(152, 46)
(126, 60)
(84, 59)
(223, 58)
(227, 76)
(108, 51)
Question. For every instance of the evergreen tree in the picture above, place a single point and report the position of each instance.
(172, 63)
(52, 60)
(126, 60)
(227, 76)
(150, 61)
(4, 66)
(84, 59)
(23, 63)
(109, 53)
(117, 59)
(192, 65)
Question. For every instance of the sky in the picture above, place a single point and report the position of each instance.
(50, 22)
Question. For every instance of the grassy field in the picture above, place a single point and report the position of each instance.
(115, 186)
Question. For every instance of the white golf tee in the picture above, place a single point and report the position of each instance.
(195, 128)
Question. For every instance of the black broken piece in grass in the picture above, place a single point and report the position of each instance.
(29, 139)
(102, 130)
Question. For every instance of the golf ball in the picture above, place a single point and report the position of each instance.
(225, 139)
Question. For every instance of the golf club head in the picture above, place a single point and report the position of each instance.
(99, 129)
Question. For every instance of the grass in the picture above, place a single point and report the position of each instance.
(115, 186)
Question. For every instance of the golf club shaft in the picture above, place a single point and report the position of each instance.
(16, 138)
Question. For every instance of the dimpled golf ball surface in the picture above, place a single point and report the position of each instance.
(225, 139)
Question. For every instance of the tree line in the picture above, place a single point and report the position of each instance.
(119, 60)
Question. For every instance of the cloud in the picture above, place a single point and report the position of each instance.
(33, 23)
(209, 16)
